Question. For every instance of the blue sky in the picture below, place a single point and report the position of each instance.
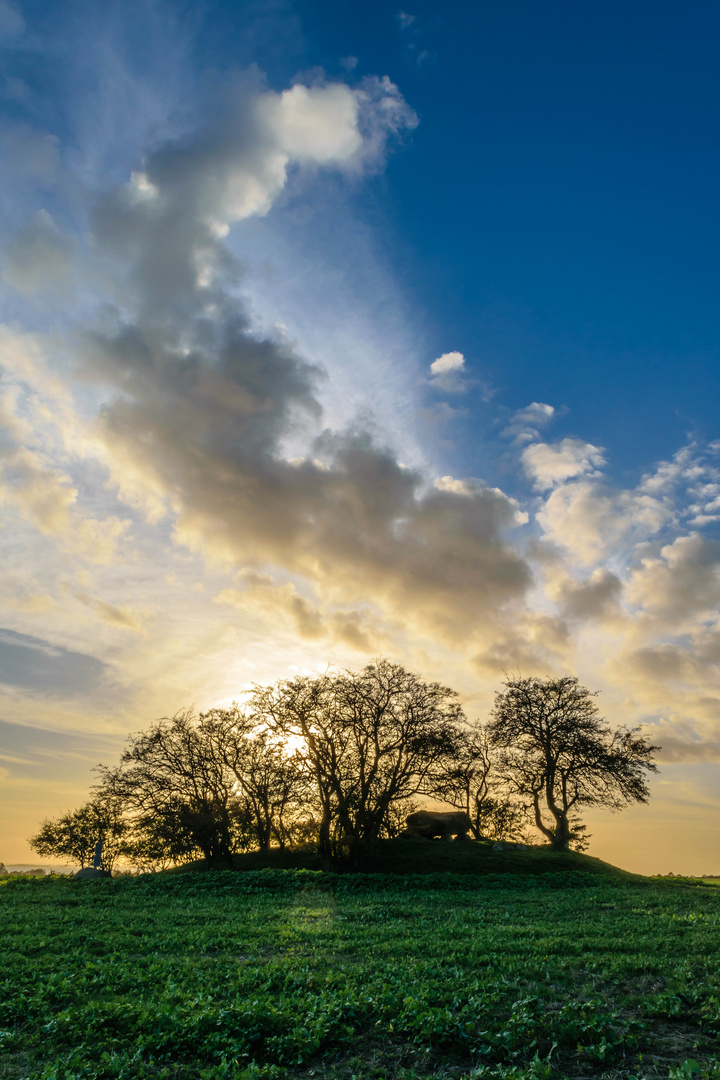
(556, 214)
(337, 330)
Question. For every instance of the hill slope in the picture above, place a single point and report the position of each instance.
(405, 857)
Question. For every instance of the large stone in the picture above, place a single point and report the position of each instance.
(431, 823)
(90, 873)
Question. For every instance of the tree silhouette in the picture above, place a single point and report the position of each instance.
(271, 783)
(470, 783)
(558, 755)
(369, 741)
(174, 773)
(74, 835)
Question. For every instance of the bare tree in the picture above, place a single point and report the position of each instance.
(471, 783)
(558, 755)
(270, 782)
(368, 740)
(174, 773)
(466, 782)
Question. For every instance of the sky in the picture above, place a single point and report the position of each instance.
(338, 330)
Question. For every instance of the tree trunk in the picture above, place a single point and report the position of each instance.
(561, 839)
(324, 845)
(265, 836)
(548, 833)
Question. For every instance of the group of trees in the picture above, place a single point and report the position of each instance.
(340, 759)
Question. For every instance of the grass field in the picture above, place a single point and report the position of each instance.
(556, 967)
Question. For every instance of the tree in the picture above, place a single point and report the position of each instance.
(270, 782)
(173, 781)
(204, 785)
(369, 741)
(471, 784)
(558, 755)
(74, 835)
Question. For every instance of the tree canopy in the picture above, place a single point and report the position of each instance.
(369, 741)
(558, 755)
(339, 759)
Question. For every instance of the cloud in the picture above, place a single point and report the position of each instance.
(591, 521)
(525, 423)
(411, 34)
(200, 405)
(45, 496)
(471, 486)
(273, 603)
(686, 466)
(316, 124)
(41, 436)
(451, 361)
(39, 257)
(446, 373)
(592, 598)
(549, 465)
(535, 643)
(122, 617)
(37, 665)
(674, 749)
(32, 602)
(681, 582)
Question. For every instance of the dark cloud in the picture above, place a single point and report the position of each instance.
(37, 665)
(204, 407)
(664, 661)
(588, 599)
(675, 750)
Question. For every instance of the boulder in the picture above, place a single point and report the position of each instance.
(90, 873)
(431, 823)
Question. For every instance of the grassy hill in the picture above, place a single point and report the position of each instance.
(403, 857)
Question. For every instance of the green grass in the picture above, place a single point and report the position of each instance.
(566, 969)
(403, 857)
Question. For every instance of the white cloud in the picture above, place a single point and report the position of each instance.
(314, 124)
(682, 581)
(450, 361)
(592, 522)
(551, 464)
(525, 423)
(446, 373)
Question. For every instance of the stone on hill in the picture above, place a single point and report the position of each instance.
(431, 823)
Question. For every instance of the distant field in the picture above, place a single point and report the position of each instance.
(291, 973)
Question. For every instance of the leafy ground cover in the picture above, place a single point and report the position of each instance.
(270, 973)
